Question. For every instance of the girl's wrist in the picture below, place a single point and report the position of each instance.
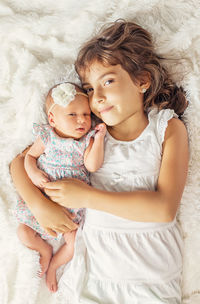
(93, 198)
(89, 197)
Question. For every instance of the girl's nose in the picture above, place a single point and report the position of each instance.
(98, 97)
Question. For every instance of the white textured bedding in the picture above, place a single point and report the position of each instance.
(38, 40)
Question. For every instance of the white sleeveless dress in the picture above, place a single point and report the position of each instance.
(118, 261)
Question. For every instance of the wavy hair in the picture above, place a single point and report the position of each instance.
(129, 45)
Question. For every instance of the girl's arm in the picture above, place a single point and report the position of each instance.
(37, 176)
(145, 206)
(94, 154)
(50, 216)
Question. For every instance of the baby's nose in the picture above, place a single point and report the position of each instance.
(81, 118)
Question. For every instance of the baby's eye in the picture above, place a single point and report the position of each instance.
(109, 81)
(72, 114)
(86, 114)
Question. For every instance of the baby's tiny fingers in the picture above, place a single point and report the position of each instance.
(98, 127)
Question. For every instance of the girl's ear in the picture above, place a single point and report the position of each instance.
(144, 81)
(51, 119)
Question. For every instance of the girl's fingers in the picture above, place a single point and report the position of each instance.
(51, 232)
(52, 185)
(70, 224)
(69, 214)
(55, 199)
(70, 227)
(66, 229)
(60, 230)
(50, 192)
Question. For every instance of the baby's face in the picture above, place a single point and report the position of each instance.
(73, 120)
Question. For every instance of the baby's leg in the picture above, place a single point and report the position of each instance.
(32, 240)
(62, 256)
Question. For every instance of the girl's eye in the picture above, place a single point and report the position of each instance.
(107, 82)
(88, 90)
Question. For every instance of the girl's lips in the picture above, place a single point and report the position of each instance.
(106, 110)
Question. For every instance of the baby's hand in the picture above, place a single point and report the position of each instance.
(39, 177)
(101, 130)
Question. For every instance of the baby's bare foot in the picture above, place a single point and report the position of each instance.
(45, 259)
(51, 278)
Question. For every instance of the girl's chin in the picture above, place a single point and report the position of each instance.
(110, 122)
(108, 119)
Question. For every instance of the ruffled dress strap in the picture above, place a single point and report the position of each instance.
(161, 119)
(43, 131)
(164, 116)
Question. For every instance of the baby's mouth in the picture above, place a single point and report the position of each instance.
(81, 129)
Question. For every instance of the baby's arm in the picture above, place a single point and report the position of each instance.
(37, 176)
(94, 154)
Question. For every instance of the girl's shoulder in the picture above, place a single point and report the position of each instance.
(177, 127)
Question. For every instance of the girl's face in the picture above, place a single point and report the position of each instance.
(113, 96)
(71, 121)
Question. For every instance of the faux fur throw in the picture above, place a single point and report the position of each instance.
(39, 41)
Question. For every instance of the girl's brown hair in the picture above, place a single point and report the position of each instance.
(129, 45)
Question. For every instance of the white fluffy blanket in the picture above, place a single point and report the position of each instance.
(38, 39)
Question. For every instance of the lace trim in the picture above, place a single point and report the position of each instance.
(166, 115)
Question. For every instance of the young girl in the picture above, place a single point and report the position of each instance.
(64, 148)
(130, 248)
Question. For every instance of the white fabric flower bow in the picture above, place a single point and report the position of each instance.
(63, 94)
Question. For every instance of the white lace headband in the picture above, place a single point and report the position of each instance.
(63, 94)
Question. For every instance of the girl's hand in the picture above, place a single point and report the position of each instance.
(101, 130)
(54, 218)
(71, 193)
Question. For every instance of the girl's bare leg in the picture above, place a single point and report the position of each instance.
(62, 256)
(32, 240)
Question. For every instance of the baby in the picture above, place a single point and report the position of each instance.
(66, 147)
